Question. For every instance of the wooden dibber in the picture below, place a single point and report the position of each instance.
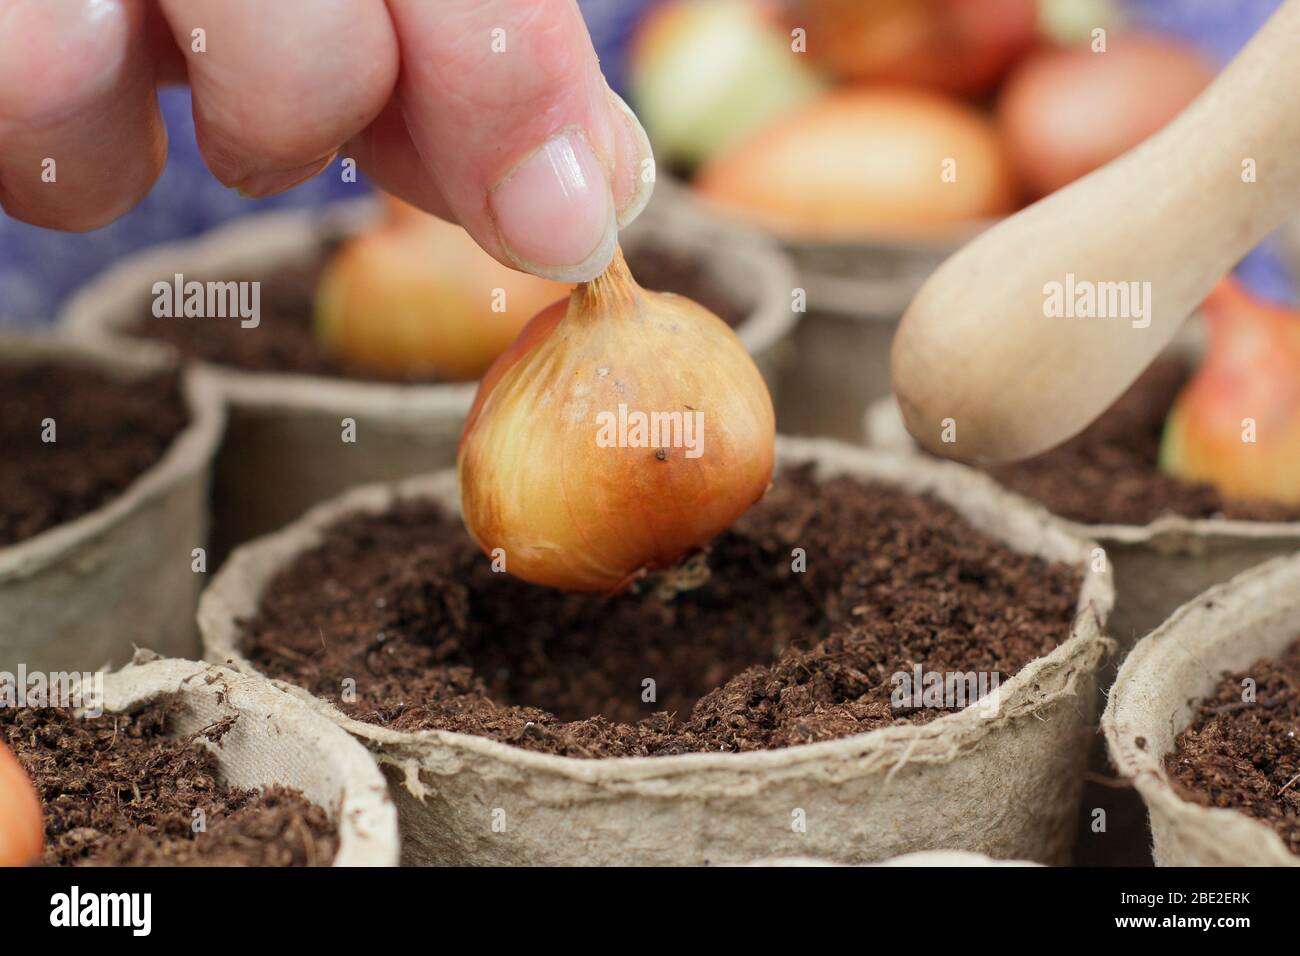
(984, 367)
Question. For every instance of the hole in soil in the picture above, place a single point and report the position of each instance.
(438, 611)
(399, 618)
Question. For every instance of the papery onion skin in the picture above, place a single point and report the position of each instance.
(415, 296)
(572, 515)
(863, 164)
(22, 832)
(1251, 371)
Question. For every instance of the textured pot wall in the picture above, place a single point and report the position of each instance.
(86, 593)
(1154, 698)
(840, 366)
(1158, 568)
(274, 740)
(1005, 785)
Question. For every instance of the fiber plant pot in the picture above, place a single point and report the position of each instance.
(274, 739)
(284, 448)
(1225, 630)
(855, 294)
(1005, 784)
(80, 595)
(1158, 567)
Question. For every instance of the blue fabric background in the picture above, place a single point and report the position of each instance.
(38, 267)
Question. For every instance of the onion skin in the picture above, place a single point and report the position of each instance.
(956, 46)
(1064, 112)
(863, 164)
(571, 514)
(1251, 370)
(22, 832)
(415, 296)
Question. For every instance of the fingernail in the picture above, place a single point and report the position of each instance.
(634, 162)
(277, 181)
(555, 213)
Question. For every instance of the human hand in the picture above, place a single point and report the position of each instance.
(490, 113)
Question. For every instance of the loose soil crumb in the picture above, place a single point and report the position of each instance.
(107, 432)
(1246, 756)
(758, 657)
(117, 792)
(1110, 473)
(285, 338)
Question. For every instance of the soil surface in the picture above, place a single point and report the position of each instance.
(1110, 473)
(107, 433)
(117, 792)
(1246, 756)
(285, 338)
(760, 656)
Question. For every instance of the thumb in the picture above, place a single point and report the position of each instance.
(513, 122)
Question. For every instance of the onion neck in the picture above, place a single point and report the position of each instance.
(610, 293)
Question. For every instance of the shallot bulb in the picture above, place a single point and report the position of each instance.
(417, 296)
(620, 431)
(21, 831)
(1237, 423)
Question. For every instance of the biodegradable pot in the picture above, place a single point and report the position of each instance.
(81, 595)
(841, 366)
(1229, 627)
(284, 449)
(1005, 785)
(275, 740)
(1158, 567)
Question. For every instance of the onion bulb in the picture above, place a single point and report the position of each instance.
(876, 163)
(958, 46)
(1064, 112)
(621, 430)
(418, 296)
(22, 832)
(1236, 424)
(705, 73)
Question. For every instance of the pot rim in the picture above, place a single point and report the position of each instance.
(191, 451)
(365, 815)
(1036, 685)
(1206, 629)
(98, 310)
